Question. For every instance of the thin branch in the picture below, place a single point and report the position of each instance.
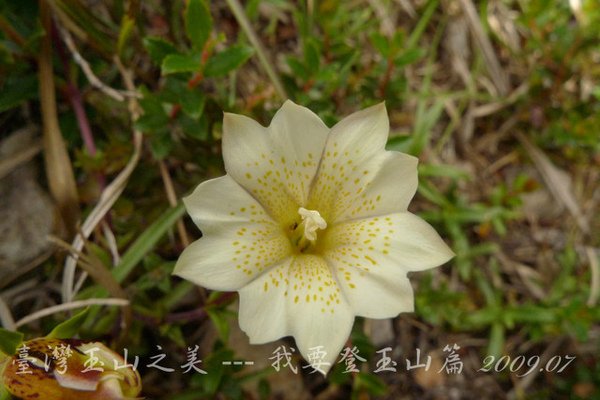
(108, 197)
(112, 243)
(70, 306)
(172, 197)
(497, 74)
(118, 95)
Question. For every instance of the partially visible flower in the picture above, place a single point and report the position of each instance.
(310, 226)
(68, 369)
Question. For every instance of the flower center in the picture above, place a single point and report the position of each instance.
(304, 234)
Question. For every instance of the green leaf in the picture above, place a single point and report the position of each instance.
(496, 342)
(174, 63)
(69, 328)
(158, 48)
(311, 55)
(192, 102)
(298, 68)
(198, 23)
(219, 319)
(147, 241)
(444, 170)
(371, 383)
(195, 128)
(155, 117)
(409, 57)
(127, 25)
(161, 144)
(10, 341)
(4, 393)
(426, 118)
(17, 90)
(381, 44)
(226, 61)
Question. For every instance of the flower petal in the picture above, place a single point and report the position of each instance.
(353, 156)
(299, 136)
(389, 190)
(318, 316)
(383, 293)
(262, 313)
(275, 164)
(373, 255)
(387, 245)
(240, 240)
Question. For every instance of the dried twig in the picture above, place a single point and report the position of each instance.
(118, 95)
(172, 197)
(386, 24)
(70, 306)
(557, 180)
(112, 243)
(496, 72)
(108, 197)
(525, 382)
(408, 8)
(59, 171)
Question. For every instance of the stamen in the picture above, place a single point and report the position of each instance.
(312, 221)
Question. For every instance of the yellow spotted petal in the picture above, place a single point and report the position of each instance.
(390, 244)
(389, 189)
(240, 240)
(352, 158)
(317, 312)
(275, 164)
(300, 297)
(373, 255)
(263, 310)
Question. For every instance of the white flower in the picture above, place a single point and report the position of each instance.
(310, 226)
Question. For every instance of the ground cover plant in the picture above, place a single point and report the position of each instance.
(112, 111)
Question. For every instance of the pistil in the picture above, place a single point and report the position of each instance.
(304, 235)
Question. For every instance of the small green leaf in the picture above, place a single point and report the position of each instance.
(496, 341)
(195, 128)
(298, 68)
(381, 43)
(155, 117)
(409, 57)
(69, 328)
(198, 23)
(147, 241)
(10, 341)
(311, 55)
(174, 63)
(228, 60)
(219, 319)
(4, 393)
(158, 48)
(17, 90)
(161, 144)
(127, 25)
(371, 383)
(192, 102)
